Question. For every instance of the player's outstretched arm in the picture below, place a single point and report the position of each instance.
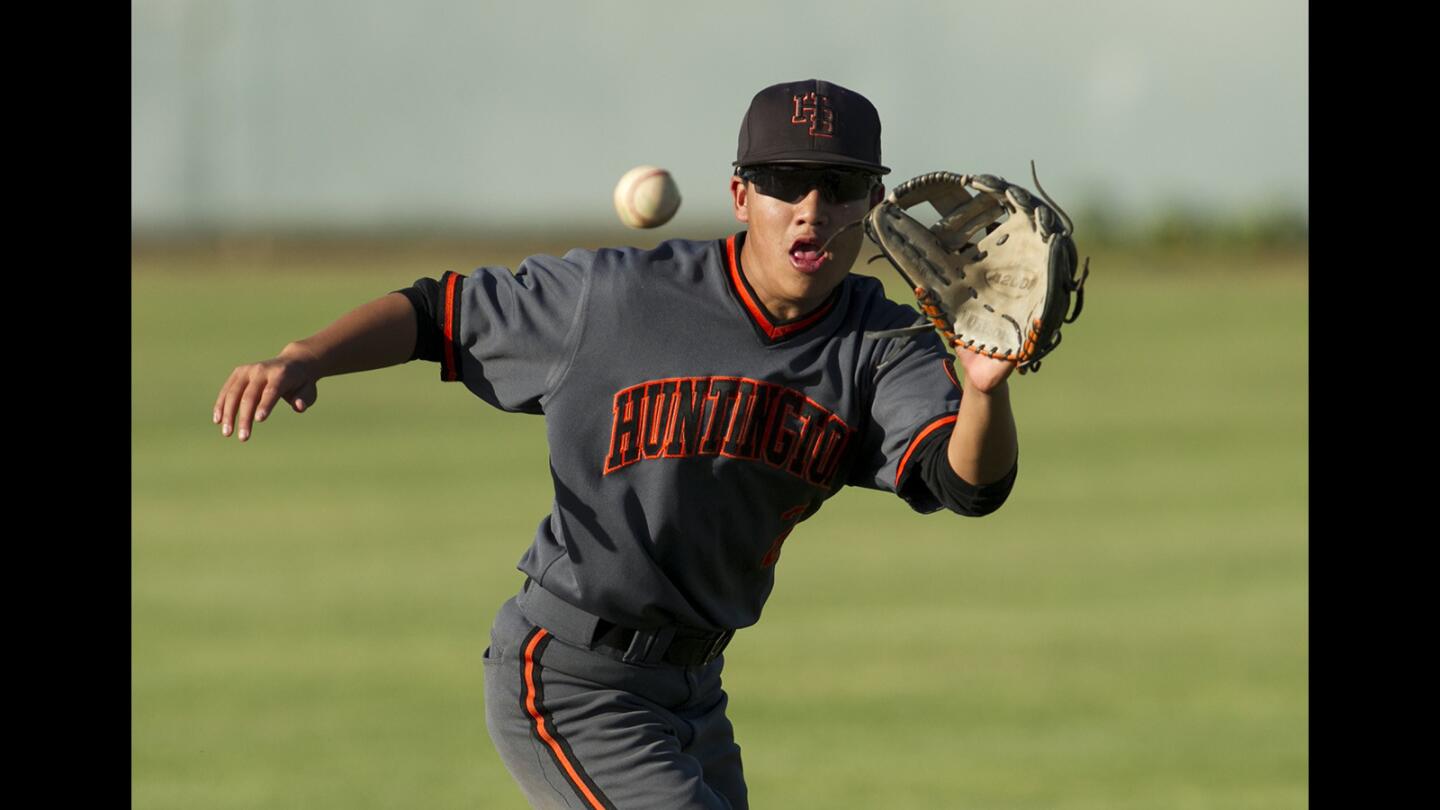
(374, 335)
(984, 443)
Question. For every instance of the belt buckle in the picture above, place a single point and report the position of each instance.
(718, 646)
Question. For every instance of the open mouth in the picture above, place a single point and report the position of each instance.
(805, 255)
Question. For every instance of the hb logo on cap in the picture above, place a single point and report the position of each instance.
(810, 122)
(816, 110)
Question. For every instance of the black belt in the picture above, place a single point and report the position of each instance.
(675, 644)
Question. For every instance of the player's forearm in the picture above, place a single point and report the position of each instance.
(374, 335)
(983, 443)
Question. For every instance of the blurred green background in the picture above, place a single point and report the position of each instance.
(309, 609)
(1129, 631)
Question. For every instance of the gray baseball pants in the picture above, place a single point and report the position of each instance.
(579, 729)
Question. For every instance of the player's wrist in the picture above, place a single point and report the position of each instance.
(298, 352)
(982, 382)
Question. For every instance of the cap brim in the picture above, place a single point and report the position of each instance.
(809, 158)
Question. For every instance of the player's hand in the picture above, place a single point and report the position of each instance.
(983, 374)
(252, 390)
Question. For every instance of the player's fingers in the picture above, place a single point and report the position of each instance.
(304, 399)
(268, 394)
(234, 390)
(245, 410)
(278, 383)
(218, 413)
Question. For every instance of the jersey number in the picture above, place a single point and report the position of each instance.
(792, 516)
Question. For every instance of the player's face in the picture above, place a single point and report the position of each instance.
(791, 215)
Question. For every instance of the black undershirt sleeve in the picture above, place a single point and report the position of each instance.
(953, 492)
(424, 296)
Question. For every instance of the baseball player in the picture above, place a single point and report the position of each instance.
(701, 399)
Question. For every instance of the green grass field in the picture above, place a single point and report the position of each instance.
(1129, 631)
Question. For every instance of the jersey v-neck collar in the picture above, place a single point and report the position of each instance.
(769, 329)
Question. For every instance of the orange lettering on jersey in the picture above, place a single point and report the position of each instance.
(749, 434)
(734, 417)
(685, 425)
(723, 390)
(783, 430)
(625, 436)
(825, 459)
(744, 404)
(659, 401)
(814, 425)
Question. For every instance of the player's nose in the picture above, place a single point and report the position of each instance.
(811, 209)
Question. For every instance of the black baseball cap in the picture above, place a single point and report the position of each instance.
(811, 121)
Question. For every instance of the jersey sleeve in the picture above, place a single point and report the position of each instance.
(932, 471)
(915, 397)
(509, 337)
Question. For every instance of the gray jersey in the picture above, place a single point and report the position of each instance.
(689, 431)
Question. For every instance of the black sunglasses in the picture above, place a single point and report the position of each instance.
(791, 185)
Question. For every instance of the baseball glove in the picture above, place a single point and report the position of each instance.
(995, 275)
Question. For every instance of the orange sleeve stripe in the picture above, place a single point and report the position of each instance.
(543, 732)
(949, 367)
(915, 442)
(451, 372)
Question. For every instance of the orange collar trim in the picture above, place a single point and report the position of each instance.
(757, 312)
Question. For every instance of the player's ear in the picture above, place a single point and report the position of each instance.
(877, 194)
(740, 197)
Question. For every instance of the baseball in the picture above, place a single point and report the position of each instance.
(646, 197)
